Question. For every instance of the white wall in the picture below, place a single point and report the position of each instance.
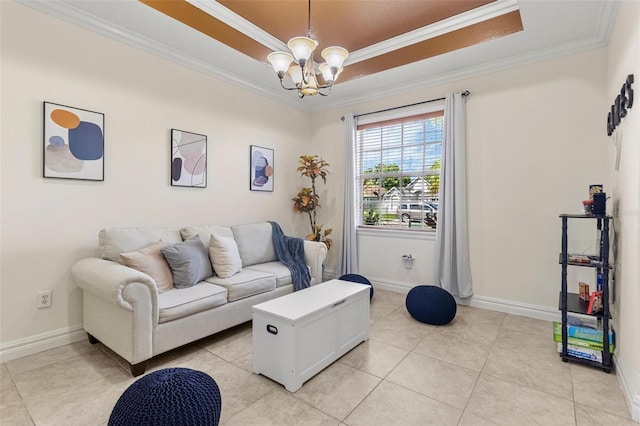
(535, 143)
(536, 140)
(47, 224)
(624, 59)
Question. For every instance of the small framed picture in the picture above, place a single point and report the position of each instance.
(73, 143)
(261, 169)
(188, 159)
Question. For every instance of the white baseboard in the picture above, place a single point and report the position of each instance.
(397, 286)
(512, 307)
(329, 274)
(630, 392)
(500, 305)
(41, 342)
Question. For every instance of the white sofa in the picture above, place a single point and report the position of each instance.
(124, 309)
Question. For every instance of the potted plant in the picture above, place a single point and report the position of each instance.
(307, 199)
(371, 217)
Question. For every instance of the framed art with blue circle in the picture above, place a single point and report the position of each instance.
(188, 159)
(261, 169)
(73, 143)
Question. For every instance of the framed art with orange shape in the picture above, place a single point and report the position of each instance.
(73, 143)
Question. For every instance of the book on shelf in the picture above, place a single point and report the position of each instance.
(588, 344)
(588, 321)
(583, 333)
(584, 353)
(584, 259)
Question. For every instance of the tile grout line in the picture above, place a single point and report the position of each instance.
(382, 379)
(484, 364)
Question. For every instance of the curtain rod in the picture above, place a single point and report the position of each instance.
(465, 93)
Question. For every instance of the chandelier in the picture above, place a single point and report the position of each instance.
(303, 71)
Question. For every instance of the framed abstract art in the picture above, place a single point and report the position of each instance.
(188, 159)
(73, 143)
(261, 169)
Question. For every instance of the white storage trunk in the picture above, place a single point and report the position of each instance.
(296, 336)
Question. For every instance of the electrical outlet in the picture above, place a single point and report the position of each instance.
(44, 299)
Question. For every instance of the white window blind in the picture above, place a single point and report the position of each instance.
(398, 170)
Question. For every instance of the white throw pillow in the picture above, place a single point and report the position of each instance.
(150, 261)
(224, 255)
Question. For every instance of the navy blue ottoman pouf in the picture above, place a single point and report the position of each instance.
(355, 278)
(172, 396)
(431, 305)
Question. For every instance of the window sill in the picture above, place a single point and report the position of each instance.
(425, 235)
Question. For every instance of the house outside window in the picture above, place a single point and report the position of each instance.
(398, 170)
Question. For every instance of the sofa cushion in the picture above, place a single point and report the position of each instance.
(255, 243)
(279, 269)
(204, 232)
(245, 283)
(223, 252)
(114, 241)
(189, 262)
(178, 303)
(150, 261)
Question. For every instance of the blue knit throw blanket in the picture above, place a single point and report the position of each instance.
(290, 251)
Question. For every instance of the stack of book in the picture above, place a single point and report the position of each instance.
(583, 341)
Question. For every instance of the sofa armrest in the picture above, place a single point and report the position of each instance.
(315, 253)
(108, 280)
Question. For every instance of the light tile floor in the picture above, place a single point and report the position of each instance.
(485, 368)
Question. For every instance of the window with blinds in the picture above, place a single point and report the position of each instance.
(398, 171)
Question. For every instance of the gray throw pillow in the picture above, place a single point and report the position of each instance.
(189, 262)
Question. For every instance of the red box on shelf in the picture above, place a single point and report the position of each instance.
(595, 303)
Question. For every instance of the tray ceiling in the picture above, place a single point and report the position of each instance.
(394, 45)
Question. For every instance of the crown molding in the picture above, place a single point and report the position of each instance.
(474, 16)
(69, 13)
(469, 72)
(606, 20)
(237, 22)
(74, 15)
(598, 39)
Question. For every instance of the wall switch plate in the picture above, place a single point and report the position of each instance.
(44, 299)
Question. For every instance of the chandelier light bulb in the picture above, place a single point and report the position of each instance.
(327, 73)
(335, 56)
(280, 61)
(302, 47)
(296, 75)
